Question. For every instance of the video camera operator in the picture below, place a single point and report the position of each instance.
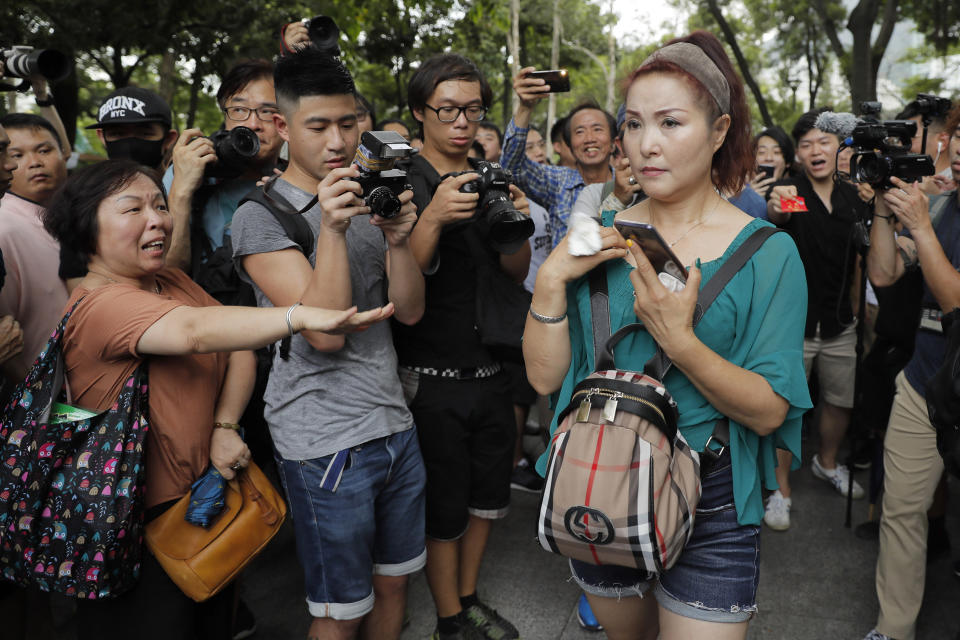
(458, 393)
(912, 463)
(938, 143)
(821, 214)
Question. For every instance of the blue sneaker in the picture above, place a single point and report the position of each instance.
(585, 615)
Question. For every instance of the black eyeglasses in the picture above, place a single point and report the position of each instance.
(474, 112)
(239, 114)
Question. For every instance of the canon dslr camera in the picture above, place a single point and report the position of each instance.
(504, 228)
(882, 150)
(235, 150)
(382, 184)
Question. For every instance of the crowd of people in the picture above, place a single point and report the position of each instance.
(270, 302)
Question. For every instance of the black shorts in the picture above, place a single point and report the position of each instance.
(467, 433)
(520, 390)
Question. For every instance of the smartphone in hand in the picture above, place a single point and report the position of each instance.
(658, 252)
(766, 169)
(557, 79)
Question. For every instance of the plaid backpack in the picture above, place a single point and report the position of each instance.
(622, 484)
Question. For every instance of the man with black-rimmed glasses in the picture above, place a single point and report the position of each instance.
(460, 398)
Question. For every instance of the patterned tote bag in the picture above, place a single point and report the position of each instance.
(71, 484)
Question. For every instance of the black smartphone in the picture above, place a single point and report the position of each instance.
(658, 252)
(766, 169)
(557, 79)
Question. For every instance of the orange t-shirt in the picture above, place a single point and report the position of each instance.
(100, 353)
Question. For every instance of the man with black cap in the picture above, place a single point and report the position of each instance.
(135, 123)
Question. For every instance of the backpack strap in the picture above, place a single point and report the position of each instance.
(600, 315)
(938, 204)
(608, 187)
(294, 226)
(290, 218)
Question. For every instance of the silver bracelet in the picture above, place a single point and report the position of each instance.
(547, 319)
(289, 314)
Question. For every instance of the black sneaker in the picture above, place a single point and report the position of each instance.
(244, 624)
(526, 479)
(491, 624)
(465, 632)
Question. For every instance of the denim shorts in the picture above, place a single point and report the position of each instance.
(371, 523)
(715, 578)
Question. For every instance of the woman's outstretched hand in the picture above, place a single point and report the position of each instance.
(337, 322)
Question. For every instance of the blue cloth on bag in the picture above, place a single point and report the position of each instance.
(206, 498)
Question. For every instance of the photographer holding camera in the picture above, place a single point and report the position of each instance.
(821, 214)
(459, 395)
(209, 176)
(345, 441)
(912, 464)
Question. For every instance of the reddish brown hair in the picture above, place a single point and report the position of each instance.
(735, 158)
(953, 120)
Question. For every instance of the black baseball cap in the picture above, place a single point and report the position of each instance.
(133, 105)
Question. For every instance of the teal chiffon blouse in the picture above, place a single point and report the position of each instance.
(756, 322)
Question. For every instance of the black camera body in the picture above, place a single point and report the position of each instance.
(882, 151)
(382, 184)
(931, 106)
(504, 228)
(235, 149)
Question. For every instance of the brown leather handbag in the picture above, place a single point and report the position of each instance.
(201, 561)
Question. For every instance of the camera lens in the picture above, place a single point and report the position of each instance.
(383, 203)
(507, 229)
(871, 169)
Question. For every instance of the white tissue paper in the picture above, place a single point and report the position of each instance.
(583, 238)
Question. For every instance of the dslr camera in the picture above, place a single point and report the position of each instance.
(504, 228)
(882, 150)
(381, 182)
(23, 62)
(235, 149)
(324, 34)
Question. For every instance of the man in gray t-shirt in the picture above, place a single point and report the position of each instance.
(346, 448)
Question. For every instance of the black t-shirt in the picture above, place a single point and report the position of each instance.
(446, 336)
(828, 250)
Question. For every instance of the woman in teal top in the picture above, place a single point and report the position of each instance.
(687, 138)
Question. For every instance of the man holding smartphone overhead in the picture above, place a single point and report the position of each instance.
(589, 132)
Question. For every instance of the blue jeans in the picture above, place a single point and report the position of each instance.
(372, 523)
(716, 577)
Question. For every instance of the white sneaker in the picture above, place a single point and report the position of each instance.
(839, 478)
(777, 512)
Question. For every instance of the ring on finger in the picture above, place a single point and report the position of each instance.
(237, 466)
(903, 192)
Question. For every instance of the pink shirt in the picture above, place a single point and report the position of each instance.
(33, 292)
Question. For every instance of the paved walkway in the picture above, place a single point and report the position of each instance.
(816, 580)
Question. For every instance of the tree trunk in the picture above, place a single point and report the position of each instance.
(195, 84)
(731, 39)
(611, 67)
(514, 49)
(554, 62)
(168, 76)
(863, 83)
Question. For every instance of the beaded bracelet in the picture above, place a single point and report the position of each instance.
(226, 425)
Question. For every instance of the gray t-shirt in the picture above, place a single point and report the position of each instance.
(319, 403)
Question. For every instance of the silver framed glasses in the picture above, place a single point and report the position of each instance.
(239, 114)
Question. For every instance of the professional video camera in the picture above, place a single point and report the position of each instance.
(882, 150)
(376, 156)
(235, 149)
(23, 62)
(504, 228)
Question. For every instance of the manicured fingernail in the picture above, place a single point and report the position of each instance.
(629, 242)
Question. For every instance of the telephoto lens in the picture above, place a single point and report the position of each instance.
(23, 62)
